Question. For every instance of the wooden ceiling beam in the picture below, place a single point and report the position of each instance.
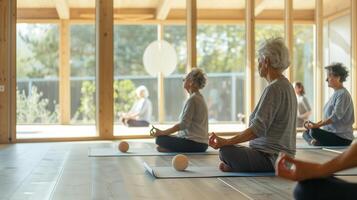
(162, 11)
(62, 9)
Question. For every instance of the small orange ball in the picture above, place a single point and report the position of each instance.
(123, 146)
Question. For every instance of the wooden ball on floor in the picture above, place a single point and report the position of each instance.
(180, 162)
(123, 146)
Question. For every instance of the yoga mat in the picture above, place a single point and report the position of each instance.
(347, 172)
(199, 172)
(338, 151)
(113, 152)
(307, 146)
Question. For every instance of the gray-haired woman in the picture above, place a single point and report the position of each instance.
(140, 113)
(272, 125)
(193, 125)
(338, 113)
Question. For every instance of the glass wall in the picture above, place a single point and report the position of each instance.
(82, 62)
(221, 53)
(37, 73)
(174, 99)
(304, 60)
(130, 42)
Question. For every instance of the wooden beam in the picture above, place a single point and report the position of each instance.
(147, 15)
(13, 83)
(191, 26)
(289, 36)
(259, 6)
(7, 57)
(354, 56)
(62, 9)
(160, 81)
(250, 58)
(318, 68)
(37, 13)
(4, 70)
(104, 68)
(64, 73)
(163, 9)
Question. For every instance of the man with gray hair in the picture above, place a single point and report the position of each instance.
(272, 125)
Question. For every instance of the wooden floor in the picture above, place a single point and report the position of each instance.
(64, 171)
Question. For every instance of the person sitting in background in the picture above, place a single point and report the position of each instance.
(140, 113)
(338, 113)
(272, 125)
(316, 180)
(304, 109)
(193, 125)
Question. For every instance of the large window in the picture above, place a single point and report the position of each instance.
(220, 52)
(174, 99)
(304, 60)
(37, 73)
(82, 62)
(130, 42)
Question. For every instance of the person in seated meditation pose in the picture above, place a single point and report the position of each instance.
(338, 113)
(140, 113)
(272, 125)
(192, 128)
(316, 181)
(304, 109)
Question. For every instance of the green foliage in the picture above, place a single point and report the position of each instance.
(124, 97)
(37, 50)
(86, 110)
(32, 108)
(82, 50)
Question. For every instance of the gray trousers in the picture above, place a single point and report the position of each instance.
(245, 159)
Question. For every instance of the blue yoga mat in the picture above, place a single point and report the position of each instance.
(199, 172)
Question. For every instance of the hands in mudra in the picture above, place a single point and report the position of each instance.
(217, 142)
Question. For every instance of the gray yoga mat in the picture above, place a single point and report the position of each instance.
(307, 146)
(198, 172)
(113, 152)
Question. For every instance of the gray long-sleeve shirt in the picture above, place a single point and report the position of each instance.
(273, 120)
(194, 119)
(339, 108)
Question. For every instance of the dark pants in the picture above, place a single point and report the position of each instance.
(245, 159)
(325, 188)
(324, 138)
(176, 144)
(137, 123)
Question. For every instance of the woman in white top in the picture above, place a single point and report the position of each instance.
(140, 113)
(304, 109)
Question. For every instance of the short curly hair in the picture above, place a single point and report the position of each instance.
(338, 69)
(198, 77)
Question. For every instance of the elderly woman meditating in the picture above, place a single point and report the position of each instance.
(336, 127)
(192, 128)
(272, 125)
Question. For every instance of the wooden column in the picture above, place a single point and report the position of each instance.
(250, 57)
(64, 73)
(160, 81)
(289, 36)
(191, 26)
(354, 56)
(318, 68)
(104, 68)
(7, 71)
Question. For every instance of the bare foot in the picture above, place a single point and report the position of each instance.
(161, 149)
(314, 142)
(224, 168)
